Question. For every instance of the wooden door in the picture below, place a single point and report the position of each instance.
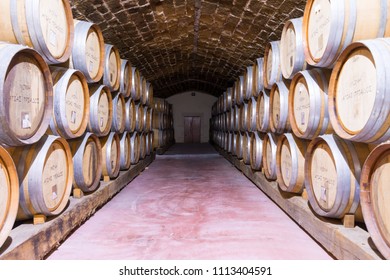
(191, 129)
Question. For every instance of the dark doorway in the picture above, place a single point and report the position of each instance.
(191, 129)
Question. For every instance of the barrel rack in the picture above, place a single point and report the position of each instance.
(34, 242)
(340, 242)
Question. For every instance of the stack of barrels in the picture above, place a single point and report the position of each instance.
(317, 117)
(163, 132)
(73, 112)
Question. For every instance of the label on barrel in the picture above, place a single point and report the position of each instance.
(52, 37)
(319, 28)
(92, 53)
(101, 121)
(91, 65)
(75, 103)
(73, 117)
(26, 122)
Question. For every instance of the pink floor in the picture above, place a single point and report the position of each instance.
(190, 207)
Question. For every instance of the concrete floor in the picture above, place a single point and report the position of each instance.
(190, 208)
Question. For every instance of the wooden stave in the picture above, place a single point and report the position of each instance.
(342, 34)
(256, 147)
(125, 80)
(77, 58)
(317, 84)
(263, 124)
(343, 203)
(284, 123)
(371, 219)
(125, 159)
(270, 167)
(298, 150)
(148, 93)
(113, 86)
(233, 143)
(275, 73)
(149, 143)
(106, 142)
(259, 77)
(30, 174)
(135, 147)
(246, 148)
(300, 62)
(135, 84)
(237, 125)
(118, 125)
(31, 33)
(93, 124)
(239, 144)
(6, 135)
(240, 90)
(77, 147)
(229, 97)
(59, 124)
(7, 222)
(139, 115)
(252, 115)
(130, 115)
(142, 150)
(249, 82)
(377, 129)
(243, 117)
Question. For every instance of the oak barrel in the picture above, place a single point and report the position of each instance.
(45, 171)
(9, 198)
(87, 162)
(139, 117)
(45, 25)
(125, 151)
(269, 155)
(358, 92)
(88, 50)
(243, 117)
(125, 78)
(278, 106)
(329, 26)
(256, 150)
(118, 113)
(112, 67)
(147, 98)
(246, 148)
(142, 145)
(70, 103)
(292, 54)
(239, 144)
(290, 163)
(100, 110)
(263, 116)
(111, 152)
(135, 84)
(374, 197)
(26, 95)
(130, 115)
(258, 76)
(135, 146)
(249, 82)
(332, 175)
(271, 67)
(308, 104)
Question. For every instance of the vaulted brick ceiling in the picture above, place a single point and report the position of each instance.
(181, 45)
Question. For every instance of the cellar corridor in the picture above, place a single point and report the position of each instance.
(190, 203)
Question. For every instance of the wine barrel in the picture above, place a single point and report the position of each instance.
(330, 26)
(358, 92)
(269, 156)
(88, 50)
(332, 175)
(229, 97)
(263, 115)
(256, 150)
(258, 76)
(9, 198)
(111, 152)
(271, 66)
(71, 103)
(45, 171)
(112, 67)
(125, 150)
(240, 90)
(246, 148)
(26, 95)
(135, 84)
(148, 119)
(308, 104)
(147, 98)
(118, 113)
(292, 54)
(278, 105)
(130, 115)
(139, 117)
(239, 144)
(374, 194)
(243, 117)
(142, 145)
(237, 123)
(149, 143)
(252, 115)
(233, 144)
(135, 146)
(125, 78)
(87, 162)
(46, 26)
(290, 163)
(249, 82)
(100, 110)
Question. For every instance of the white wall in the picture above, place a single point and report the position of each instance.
(184, 104)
